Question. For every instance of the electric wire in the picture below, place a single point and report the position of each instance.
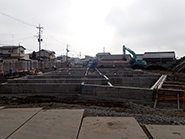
(15, 19)
(54, 39)
(31, 25)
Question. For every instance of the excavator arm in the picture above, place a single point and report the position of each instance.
(134, 60)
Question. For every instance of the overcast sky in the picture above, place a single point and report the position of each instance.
(89, 25)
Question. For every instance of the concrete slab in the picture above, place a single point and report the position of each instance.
(12, 119)
(51, 124)
(111, 128)
(166, 131)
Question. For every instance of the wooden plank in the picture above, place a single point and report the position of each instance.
(174, 82)
(173, 86)
(171, 90)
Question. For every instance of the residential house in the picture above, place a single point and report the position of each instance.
(99, 56)
(115, 57)
(159, 57)
(75, 61)
(13, 53)
(62, 58)
(115, 60)
(140, 57)
(87, 58)
(46, 55)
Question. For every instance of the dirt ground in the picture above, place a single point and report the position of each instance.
(52, 102)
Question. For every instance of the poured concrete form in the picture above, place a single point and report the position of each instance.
(51, 124)
(104, 83)
(166, 131)
(39, 88)
(117, 92)
(111, 128)
(63, 80)
(13, 119)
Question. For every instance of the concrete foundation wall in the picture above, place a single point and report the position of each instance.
(63, 76)
(39, 88)
(117, 92)
(63, 80)
(64, 89)
(120, 84)
(124, 72)
(145, 82)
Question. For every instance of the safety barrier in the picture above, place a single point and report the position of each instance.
(19, 66)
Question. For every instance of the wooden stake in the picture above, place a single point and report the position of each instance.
(183, 102)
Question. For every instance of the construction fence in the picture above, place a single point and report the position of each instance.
(28, 65)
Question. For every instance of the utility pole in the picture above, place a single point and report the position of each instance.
(80, 55)
(67, 50)
(19, 51)
(39, 38)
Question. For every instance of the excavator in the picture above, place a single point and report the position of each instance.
(92, 65)
(133, 61)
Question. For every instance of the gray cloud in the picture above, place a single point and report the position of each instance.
(150, 25)
(142, 25)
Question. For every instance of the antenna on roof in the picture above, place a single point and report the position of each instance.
(103, 49)
(12, 39)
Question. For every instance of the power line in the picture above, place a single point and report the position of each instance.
(55, 39)
(29, 49)
(4, 44)
(3, 34)
(18, 20)
(17, 39)
(24, 38)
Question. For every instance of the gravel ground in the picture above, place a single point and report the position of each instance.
(141, 118)
(154, 116)
(144, 114)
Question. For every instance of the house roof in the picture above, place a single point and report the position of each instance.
(62, 56)
(48, 51)
(115, 57)
(140, 56)
(168, 54)
(11, 47)
(118, 61)
(87, 57)
(102, 54)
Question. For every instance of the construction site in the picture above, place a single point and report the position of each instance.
(111, 96)
(92, 69)
(97, 97)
